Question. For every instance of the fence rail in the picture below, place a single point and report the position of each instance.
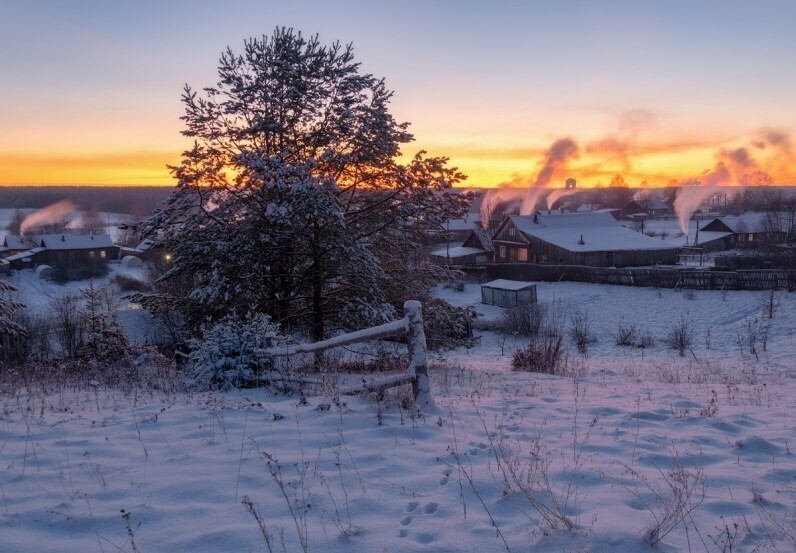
(417, 372)
(698, 279)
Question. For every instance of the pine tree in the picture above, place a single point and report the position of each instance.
(10, 330)
(8, 306)
(292, 201)
(103, 338)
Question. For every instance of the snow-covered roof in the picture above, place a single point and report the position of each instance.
(586, 232)
(458, 251)
(145, 245)
(467, 223)
(24, 255)
(76, 241)
(706, 236)
(504, 284)
(16, 242)
(745, 222)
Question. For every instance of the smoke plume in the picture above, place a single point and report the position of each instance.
(555, 162)
(53, 213)
(552, 166)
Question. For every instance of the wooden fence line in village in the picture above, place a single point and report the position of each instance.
(657, 277)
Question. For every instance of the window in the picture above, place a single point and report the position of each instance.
(512, 232)
(503, 251)
(103, 254)
(522, 254)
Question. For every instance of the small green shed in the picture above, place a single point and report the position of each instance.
(508, 293)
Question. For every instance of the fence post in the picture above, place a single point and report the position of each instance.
(418, 367)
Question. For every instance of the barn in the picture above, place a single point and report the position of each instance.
(592, 239)
(508, 293)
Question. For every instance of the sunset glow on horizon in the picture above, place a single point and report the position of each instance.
(658, 93)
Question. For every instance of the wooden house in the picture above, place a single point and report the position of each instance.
(69, 250)
(14, 244)
(746, 231)
(477, 249)
(591, 239)
(651, 207)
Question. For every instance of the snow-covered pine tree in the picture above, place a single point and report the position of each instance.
(292, 200)
(103, 337)
(8, 306)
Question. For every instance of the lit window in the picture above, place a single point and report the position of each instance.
(522, 254)
(103, 253)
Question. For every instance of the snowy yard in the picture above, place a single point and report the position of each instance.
(699, 446)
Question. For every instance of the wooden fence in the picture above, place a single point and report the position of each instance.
(417, 373)
(698, 279)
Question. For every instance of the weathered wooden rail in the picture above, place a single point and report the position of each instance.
(417, 373)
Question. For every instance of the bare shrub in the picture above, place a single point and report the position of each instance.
(770, 303)
(37, 343)
(447, 326)
(580, 330)
(625, 334)
(68, 324)
(670, 499)
(524, 319)
(680, 335)
(543, 354)
(644, 339)
(629, 334)
(756, 334)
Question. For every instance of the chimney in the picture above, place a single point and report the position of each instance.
(581, 242)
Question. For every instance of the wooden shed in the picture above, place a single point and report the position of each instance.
(508, 293)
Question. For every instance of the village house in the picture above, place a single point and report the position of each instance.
(591, 239)
(78, 253)
(651, 207)
(477, 249)
(746, 231)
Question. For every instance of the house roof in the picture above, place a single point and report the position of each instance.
(504, 284)
(709, 236)
(76, 241)
(482, 235)
(598, 231)
(467, 223)
(458, 251)
(24, 255)
(16, 242)
(746, 222)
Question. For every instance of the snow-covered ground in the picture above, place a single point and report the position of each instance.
(509, 461)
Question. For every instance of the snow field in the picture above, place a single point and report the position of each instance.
(100, 470)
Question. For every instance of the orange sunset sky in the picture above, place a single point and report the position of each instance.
(657, 92)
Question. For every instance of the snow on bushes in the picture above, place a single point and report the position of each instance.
(228, 354)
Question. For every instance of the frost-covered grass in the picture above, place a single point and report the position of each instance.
(639, 446)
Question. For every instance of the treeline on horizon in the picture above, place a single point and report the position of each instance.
(137, 201)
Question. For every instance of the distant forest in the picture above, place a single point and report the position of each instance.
(138, 201)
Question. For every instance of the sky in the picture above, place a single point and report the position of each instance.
(654, 91)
